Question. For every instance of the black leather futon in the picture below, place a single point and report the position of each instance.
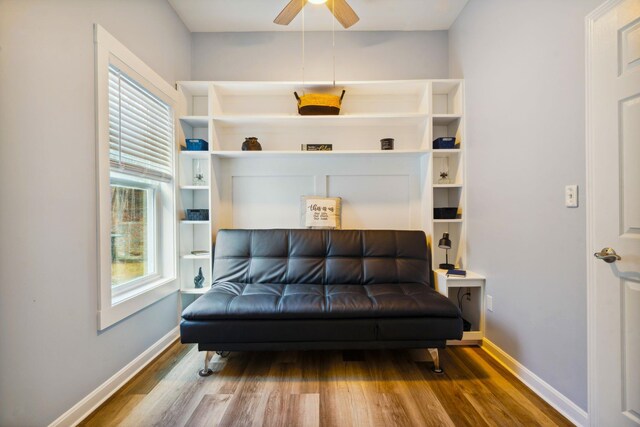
(320, 289)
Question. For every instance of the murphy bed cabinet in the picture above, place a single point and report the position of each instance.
(260, 189)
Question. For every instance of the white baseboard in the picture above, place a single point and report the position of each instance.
(553, 397)
(87, 405)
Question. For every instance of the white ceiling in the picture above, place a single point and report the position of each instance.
(375, 15)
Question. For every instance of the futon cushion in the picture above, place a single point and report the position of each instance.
(232, 300)
(321, 257)
(319, 330)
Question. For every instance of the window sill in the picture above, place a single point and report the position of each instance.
(128, 303)
(139, 288)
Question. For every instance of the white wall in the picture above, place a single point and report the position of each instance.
(51, 354)
(524, 68)
(359, 55)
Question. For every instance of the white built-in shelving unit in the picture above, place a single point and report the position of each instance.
(259, 188)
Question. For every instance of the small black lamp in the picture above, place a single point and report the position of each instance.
(445, 243)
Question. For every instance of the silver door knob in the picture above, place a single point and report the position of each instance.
(607, 255)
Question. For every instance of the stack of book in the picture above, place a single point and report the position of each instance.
(454, 272)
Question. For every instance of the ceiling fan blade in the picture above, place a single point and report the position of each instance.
(343, 12)
(290, 11)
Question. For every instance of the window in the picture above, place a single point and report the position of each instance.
(135, 182)
(133, 248)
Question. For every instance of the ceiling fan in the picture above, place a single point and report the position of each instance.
(340, 9)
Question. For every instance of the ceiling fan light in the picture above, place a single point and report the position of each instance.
(317, 1)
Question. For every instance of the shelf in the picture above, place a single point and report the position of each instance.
(184, 221)
(196, 121)
(445, 119)
(397, 87)
(194, 187)
(470, 276)
(195, 154)
(279, 120)
(195, 291)
(447, 220)
(445, 86)
(298, 154)
(447, 185)
(447, 151)
(192, 256)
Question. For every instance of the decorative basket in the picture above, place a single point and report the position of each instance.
(197, 214)
(194, 144)
(445, 213)
(445, 143)
(319, 104)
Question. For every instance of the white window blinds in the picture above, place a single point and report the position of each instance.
(140, 129)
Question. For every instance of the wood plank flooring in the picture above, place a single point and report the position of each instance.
(325, 388)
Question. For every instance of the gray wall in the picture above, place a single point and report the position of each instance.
(524, 66)
(51, 355)
(359, 55)
(523, 63)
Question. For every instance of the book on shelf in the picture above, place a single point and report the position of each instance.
(198, 252)
(455, 272)
(316, 147)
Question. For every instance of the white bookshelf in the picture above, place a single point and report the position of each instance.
(447, 107)
(413, 112)
(194, 235)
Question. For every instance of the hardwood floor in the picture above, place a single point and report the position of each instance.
(325, 388)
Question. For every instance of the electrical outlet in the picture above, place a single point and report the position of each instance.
(489, 303)
(571, 196)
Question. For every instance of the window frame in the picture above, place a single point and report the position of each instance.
(115, 306)
(152, 233)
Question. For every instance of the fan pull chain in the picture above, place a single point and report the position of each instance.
(333, 32)
(303, 47)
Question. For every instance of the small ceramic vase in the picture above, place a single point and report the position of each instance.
(251, 144)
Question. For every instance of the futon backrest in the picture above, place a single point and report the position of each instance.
(321, 257)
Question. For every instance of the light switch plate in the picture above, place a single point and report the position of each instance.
(571, 196)
(489, 303)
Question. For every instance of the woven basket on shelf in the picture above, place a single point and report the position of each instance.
(319, 104)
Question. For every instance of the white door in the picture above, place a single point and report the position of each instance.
(613, 173)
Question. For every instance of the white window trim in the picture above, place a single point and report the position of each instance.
(110, 311)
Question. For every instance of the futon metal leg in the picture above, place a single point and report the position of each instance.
(206, 371)
(436, 360)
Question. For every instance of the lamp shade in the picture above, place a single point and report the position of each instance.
(445, 242)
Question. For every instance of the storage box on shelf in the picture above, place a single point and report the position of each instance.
(472, 307)
(194, 128)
